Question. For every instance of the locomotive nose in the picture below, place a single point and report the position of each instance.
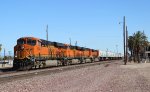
(22, 51)
(22, 47)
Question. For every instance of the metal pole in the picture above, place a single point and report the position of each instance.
(47, 32)
(126, 44)
(76, 43)
(117, 52)
(9, 56)
(4, 54)
(3, 64)
(106, 53)
(70, 41)
(124, 38)
(0, 50)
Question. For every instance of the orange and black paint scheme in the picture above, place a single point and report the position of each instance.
(30, 52)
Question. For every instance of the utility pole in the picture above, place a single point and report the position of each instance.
(126, 45)
(70, 41)
(124, 33)
(117, 52)
(9, 57)
(0, 50)
(107, 54)
(76, 43)
(47, 32)
(4, 54)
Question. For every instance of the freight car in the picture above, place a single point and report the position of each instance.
(34, 52)
(108, 55)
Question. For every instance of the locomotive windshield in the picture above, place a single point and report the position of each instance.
(21, 41)
(31, 42)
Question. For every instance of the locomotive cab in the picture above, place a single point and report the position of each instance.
(25, 47)
(24, 51)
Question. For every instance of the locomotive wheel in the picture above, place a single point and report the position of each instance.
(35, 66)
(67, 63)
(24, 66)
(59, 63)
(21, 66)
(92, 60)
(39, 66)
(44, 64)
(82, 61)
(63, 63)
(29, 67)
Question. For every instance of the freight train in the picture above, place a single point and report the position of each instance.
(31, 52)
(34, 52)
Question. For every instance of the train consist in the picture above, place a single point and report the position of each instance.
(34, 52)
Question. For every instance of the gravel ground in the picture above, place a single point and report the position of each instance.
(112, 77)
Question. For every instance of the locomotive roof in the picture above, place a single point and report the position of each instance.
(29, 38)
(45, 42)
(57, 44)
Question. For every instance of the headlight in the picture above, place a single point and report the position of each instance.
(22, 47)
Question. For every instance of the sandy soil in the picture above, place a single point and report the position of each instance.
(113, 77)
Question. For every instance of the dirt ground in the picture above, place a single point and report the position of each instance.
(112, 77)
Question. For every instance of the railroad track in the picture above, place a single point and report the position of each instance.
(15, 75)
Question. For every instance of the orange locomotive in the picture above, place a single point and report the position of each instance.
(33, 52)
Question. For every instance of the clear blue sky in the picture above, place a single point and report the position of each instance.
(93, 23)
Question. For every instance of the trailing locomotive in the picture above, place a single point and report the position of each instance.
(34, 52)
